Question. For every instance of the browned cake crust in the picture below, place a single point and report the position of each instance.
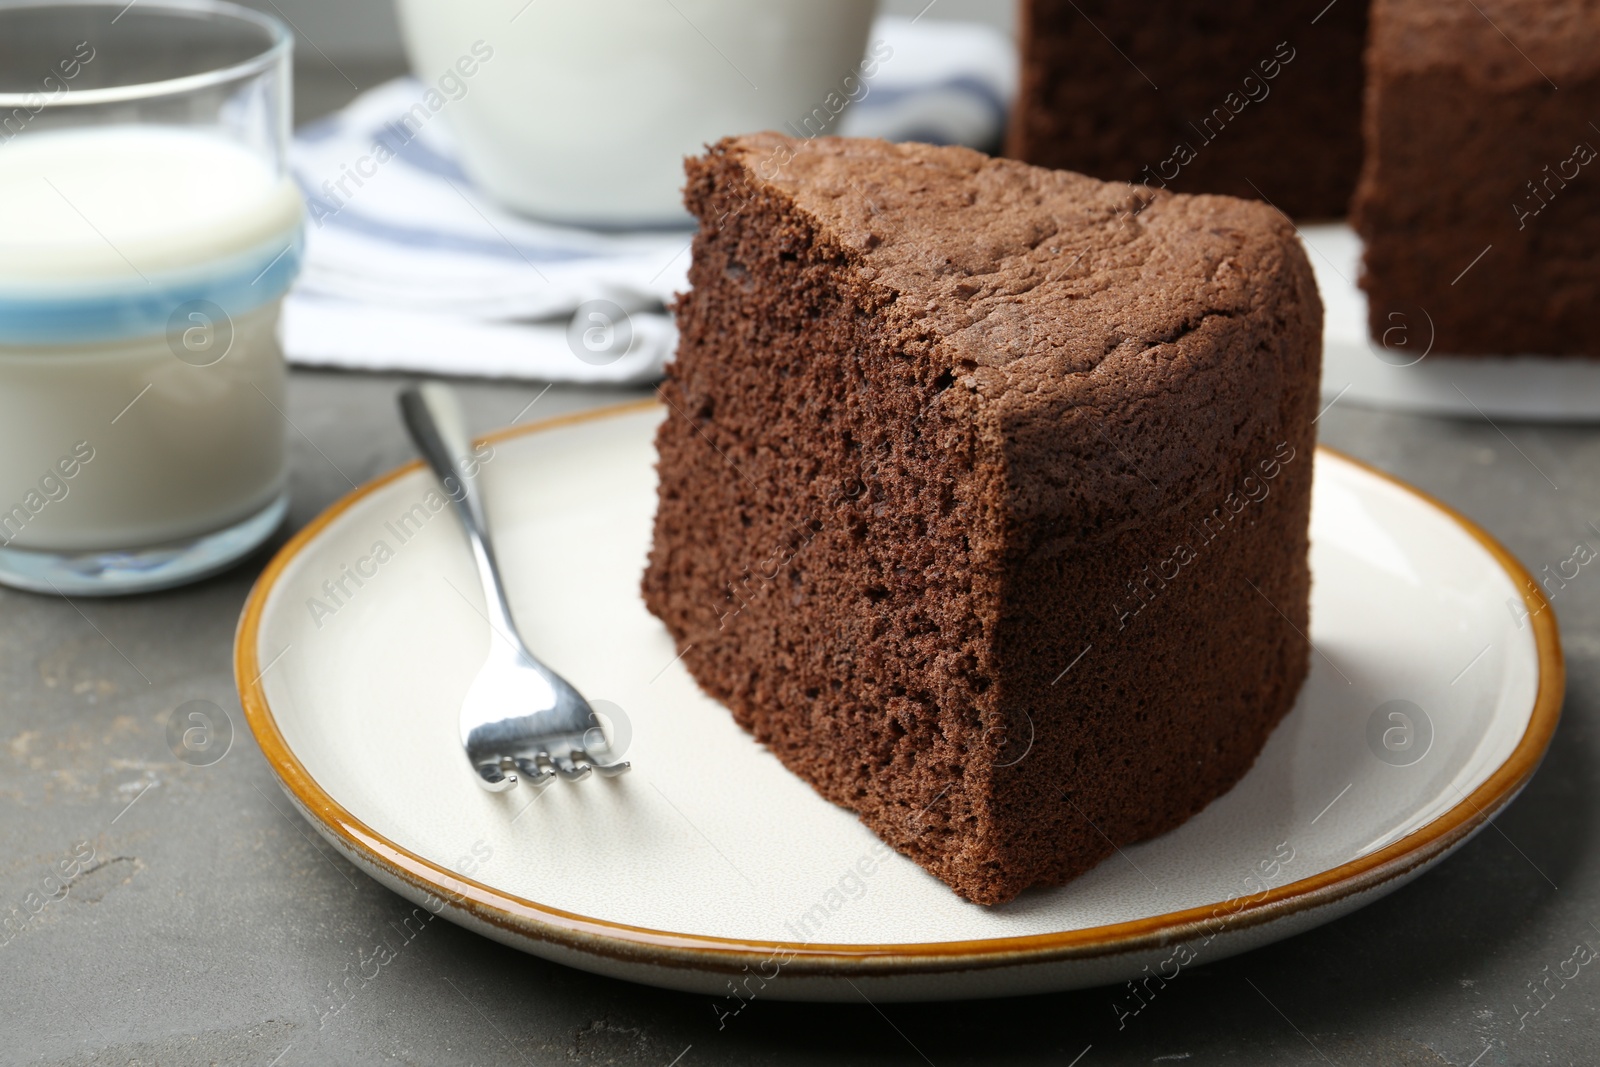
(1473, 151)
(984, 492)
(1252, 98)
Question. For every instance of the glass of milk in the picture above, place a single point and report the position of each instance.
(148, 230)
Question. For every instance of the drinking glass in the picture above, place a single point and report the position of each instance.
(149, 228)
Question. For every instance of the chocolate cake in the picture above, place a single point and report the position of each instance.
(1255, 98)
(1479, 200)
(984, 492)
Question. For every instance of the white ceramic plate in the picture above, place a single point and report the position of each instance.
(1358, 371)
(710, 861)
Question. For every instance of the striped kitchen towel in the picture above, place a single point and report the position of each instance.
(409, 267)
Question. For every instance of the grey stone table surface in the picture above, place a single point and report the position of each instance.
(212, 923)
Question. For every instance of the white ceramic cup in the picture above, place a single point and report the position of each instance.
(582, 111)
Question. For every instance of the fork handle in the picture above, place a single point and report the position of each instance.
(433, 417)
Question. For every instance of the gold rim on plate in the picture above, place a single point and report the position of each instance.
(619, 941)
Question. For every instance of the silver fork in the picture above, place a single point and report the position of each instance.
(519, 716)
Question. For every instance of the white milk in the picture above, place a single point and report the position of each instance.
(109, 237)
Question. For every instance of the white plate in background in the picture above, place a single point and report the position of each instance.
(1532, 387)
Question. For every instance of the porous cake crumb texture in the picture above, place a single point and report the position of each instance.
(984, 492)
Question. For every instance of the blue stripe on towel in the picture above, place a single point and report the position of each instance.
(988, 95)
(325, 214)
(409, 149)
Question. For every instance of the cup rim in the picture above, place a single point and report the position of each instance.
(280, 36)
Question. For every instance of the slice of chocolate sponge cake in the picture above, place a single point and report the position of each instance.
(984, 492)
(1479, 201)
(1254, 98)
